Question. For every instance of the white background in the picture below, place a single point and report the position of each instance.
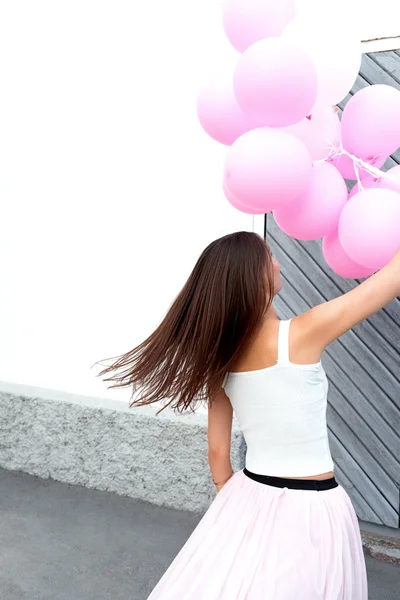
(367, 19)
(378, 19)
(109, 187)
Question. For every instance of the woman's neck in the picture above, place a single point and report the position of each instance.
(270, 315)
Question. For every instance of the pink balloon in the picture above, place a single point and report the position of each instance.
(369, 227)
(219, 113)
(320, 132)
(368, 180)
(238, 205)
(390, 180)
(337, 65)
(316, 212)
(247, 21)
(276, 80)
(345, 165)
(266, 168)
(371, 122)
(340, 262)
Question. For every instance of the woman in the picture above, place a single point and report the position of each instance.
(282, 528)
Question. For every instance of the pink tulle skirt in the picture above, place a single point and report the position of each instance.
(258, 542)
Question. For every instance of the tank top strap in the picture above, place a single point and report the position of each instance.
(283, 342)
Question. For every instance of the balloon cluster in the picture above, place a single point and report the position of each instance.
(288, 151)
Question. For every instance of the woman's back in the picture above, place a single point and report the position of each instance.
(281, 409)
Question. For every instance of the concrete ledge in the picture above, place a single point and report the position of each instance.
(381, 542)
(102, 444)
(382, 548)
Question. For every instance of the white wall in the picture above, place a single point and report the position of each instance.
(377, 24)
(378, 19)
(109, 188)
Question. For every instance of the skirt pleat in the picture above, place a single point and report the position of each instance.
(258, 542)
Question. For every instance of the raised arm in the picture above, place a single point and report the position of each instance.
(327, 322)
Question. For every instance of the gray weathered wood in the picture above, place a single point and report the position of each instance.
(388, 61)
(372, 72)
(359, 486)
(363, 509)
(354, 448)
(360, 84)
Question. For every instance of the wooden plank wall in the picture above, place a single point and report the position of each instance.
(363, 366)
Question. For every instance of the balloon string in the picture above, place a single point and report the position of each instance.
(359, 165)
(357, 172)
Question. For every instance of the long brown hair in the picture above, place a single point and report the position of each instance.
(208, 325)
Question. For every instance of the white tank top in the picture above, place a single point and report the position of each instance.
(281, 411)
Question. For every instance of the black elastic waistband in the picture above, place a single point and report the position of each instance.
(294, 484)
